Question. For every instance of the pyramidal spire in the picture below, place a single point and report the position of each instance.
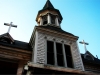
(48, 5)
(49, 15)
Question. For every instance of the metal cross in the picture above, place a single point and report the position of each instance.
(10, 25)
(84, 43)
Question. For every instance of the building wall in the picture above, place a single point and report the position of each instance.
(92, 68)
(14, 55)
(40, 48)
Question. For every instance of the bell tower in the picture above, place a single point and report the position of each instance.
(53, 47)
(49, 15)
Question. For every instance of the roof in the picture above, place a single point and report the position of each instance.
(7, 36)
(7, 40)
(95, 61)
(17, 44)
(55, 29)
(48, 5)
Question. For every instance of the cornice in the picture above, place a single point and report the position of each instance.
(48, 31)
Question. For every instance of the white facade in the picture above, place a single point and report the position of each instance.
(40, 50)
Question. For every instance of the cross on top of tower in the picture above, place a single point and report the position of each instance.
(84, 43)
(10, 25)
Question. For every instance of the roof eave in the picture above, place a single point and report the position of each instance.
(40, 11)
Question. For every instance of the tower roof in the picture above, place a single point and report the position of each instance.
(48, 5)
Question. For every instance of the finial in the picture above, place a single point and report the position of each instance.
(96, 56)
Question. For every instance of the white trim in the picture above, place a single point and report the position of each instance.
(49, 19)
(64, 55)
(28, 73)
(57, 23)
(55, 54)
(80, 57)
(35, 50)
(41, 21)
(45, 50)
(73, 61)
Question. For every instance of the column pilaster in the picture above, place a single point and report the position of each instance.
(57, 22)
(20, 67)
(41, 20)
(49, 19)
(45, 50)
(28, 73)
(55, 53)
(64, 55)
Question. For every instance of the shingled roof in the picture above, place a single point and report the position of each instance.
(95, 61)
(7, 37)
(7, 40)
(17, 44)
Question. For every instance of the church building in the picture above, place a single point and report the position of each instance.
(51, 50)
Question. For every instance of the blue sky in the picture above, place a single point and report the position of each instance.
(80, 17)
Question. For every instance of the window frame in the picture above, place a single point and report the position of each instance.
(63, 44)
